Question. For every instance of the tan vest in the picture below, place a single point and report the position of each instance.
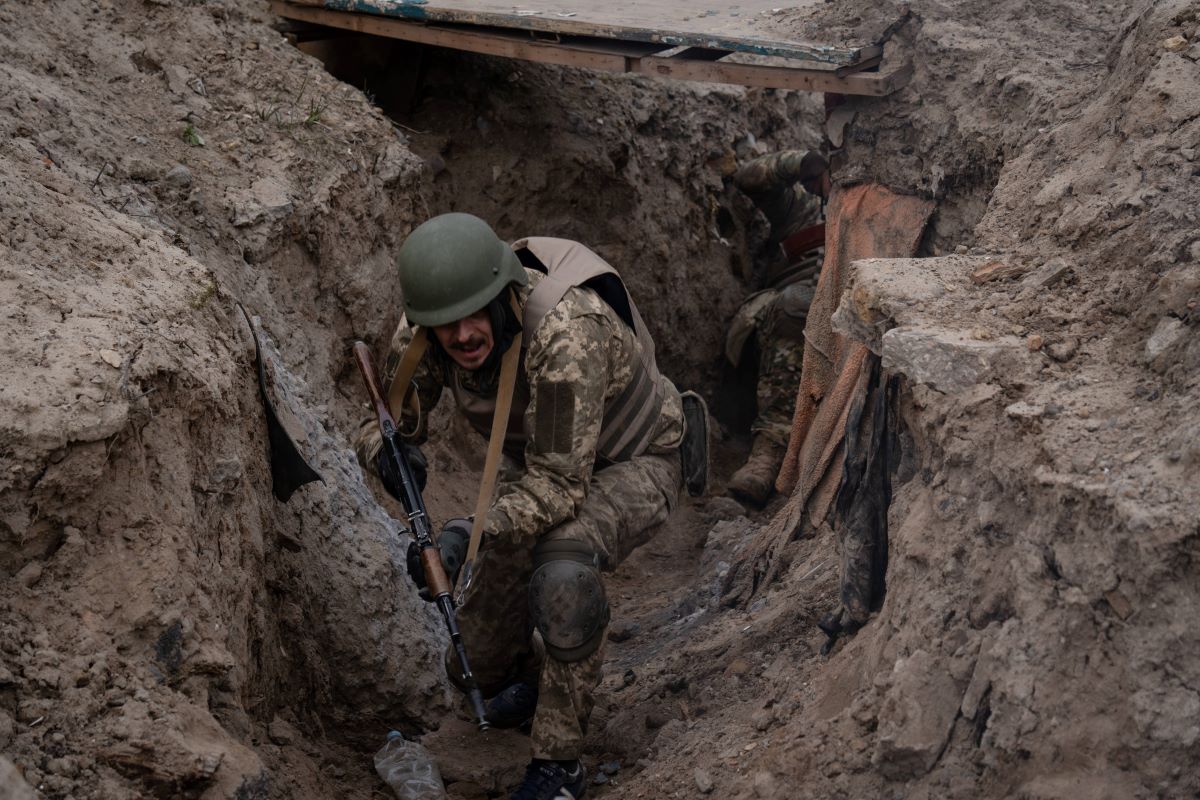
(631, 417)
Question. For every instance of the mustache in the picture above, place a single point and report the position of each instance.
(469, 344)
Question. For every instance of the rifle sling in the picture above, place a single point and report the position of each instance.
(399, 390)
(402, 385)
(491, 464)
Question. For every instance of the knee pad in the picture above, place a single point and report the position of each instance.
(567, 602)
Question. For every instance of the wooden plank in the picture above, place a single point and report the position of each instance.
(873, 84)
(605, 55)
(862, 66)
(742, 26)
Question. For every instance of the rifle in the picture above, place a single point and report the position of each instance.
(418, 523)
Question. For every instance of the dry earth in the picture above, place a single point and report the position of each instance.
(168, 628)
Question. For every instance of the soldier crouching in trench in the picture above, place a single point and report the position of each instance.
(597, 447)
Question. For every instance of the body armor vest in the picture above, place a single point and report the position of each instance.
(631, 417)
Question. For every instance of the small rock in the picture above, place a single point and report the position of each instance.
(724, 508)
(655, 719)
(1188, 152)
(739, 666)
(917, 715)
(280, 732)
(761, 719)
(112, 358)
(179, 176)
(63, 766)
(142, 169)
(703, 781)
(177, 79)
(998, 270)
(610, 767)
(1119, 603)
(1168, 332)
(623, 631)
(1048, 274)
(949, 360)
(600, 779)
(1176, 44)
(765, 785)
(1023, 410)
(210, 763)
(1063, 350)
(675, 683)
(1034, 342)
(30, 574)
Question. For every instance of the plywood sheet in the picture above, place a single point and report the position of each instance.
(740, 25)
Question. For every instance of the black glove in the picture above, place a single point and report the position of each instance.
(452, 546)
(390, 477)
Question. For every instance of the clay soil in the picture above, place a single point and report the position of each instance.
(168, 628)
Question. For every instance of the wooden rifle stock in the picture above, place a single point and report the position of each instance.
(362, 356)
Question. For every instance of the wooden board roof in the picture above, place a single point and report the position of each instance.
(740, 26)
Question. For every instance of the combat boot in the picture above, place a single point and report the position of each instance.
(552, 780)
(514, 707)
(755, 481)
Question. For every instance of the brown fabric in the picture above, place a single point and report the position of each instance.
(865, 221)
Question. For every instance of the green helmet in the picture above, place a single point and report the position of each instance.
(453, 265)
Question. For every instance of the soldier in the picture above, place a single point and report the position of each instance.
(789, 188)
(593, 462)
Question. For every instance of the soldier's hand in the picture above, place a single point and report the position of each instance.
(416, 571)
(452, 547)
(452, 544)
(389, 476)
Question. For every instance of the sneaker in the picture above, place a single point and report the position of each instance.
(552, 780)
(513, 707)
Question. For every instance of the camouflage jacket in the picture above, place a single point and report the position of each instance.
(579, 359)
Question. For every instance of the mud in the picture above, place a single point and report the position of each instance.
(168, 629)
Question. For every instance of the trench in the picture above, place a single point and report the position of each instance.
(694, 684)
(630, 167)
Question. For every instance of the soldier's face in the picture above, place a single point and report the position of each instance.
(469, 340)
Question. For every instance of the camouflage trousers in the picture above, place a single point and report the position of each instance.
(777, 317)
(625, 502)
